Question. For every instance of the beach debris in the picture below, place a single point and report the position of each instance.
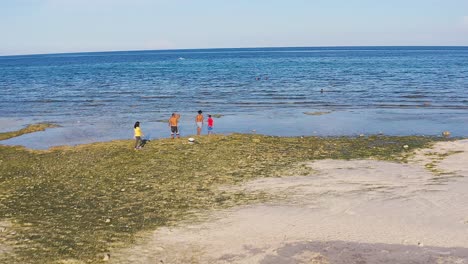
(362, 135)
(122, 190)
(108, 220)
(420, 244)
(446, 134)
(405, 146)
(191, 140)
(106, 257)
(318, 113)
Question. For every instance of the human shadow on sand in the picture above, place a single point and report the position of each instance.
(341, 252)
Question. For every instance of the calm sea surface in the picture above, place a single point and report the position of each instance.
(98, 96)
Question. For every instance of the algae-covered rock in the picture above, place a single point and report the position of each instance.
(317, 113)
(29, 129)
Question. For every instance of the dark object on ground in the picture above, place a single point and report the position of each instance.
(143, 142)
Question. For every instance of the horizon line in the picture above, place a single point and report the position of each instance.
(232, 48)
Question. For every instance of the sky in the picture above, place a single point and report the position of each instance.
(56, 26)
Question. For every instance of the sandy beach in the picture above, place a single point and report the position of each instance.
(357, 211)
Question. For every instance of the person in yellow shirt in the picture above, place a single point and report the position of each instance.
(199, 121)
(173, 124)
(137, 135)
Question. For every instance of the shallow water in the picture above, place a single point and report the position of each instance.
(98, 96)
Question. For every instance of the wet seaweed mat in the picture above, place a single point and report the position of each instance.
(29, 129)
(75, 203)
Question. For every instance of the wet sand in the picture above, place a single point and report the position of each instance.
(340, 252)
(359, 211)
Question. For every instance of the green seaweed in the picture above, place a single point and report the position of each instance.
(75, 203)
(436, 158)
(29, 129)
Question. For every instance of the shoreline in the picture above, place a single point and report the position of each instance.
(300, 122)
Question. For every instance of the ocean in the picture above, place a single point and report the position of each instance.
(323, 91)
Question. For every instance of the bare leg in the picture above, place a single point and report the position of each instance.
(137, 142)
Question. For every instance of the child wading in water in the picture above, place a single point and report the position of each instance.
(210, 125)
(138, 135)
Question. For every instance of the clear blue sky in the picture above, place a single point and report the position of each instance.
(48, 26)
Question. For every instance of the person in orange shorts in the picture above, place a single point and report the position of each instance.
(199, 121)
(173, 124)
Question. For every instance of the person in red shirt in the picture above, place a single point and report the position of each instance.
(210, 125)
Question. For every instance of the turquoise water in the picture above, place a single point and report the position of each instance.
(98, 96)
